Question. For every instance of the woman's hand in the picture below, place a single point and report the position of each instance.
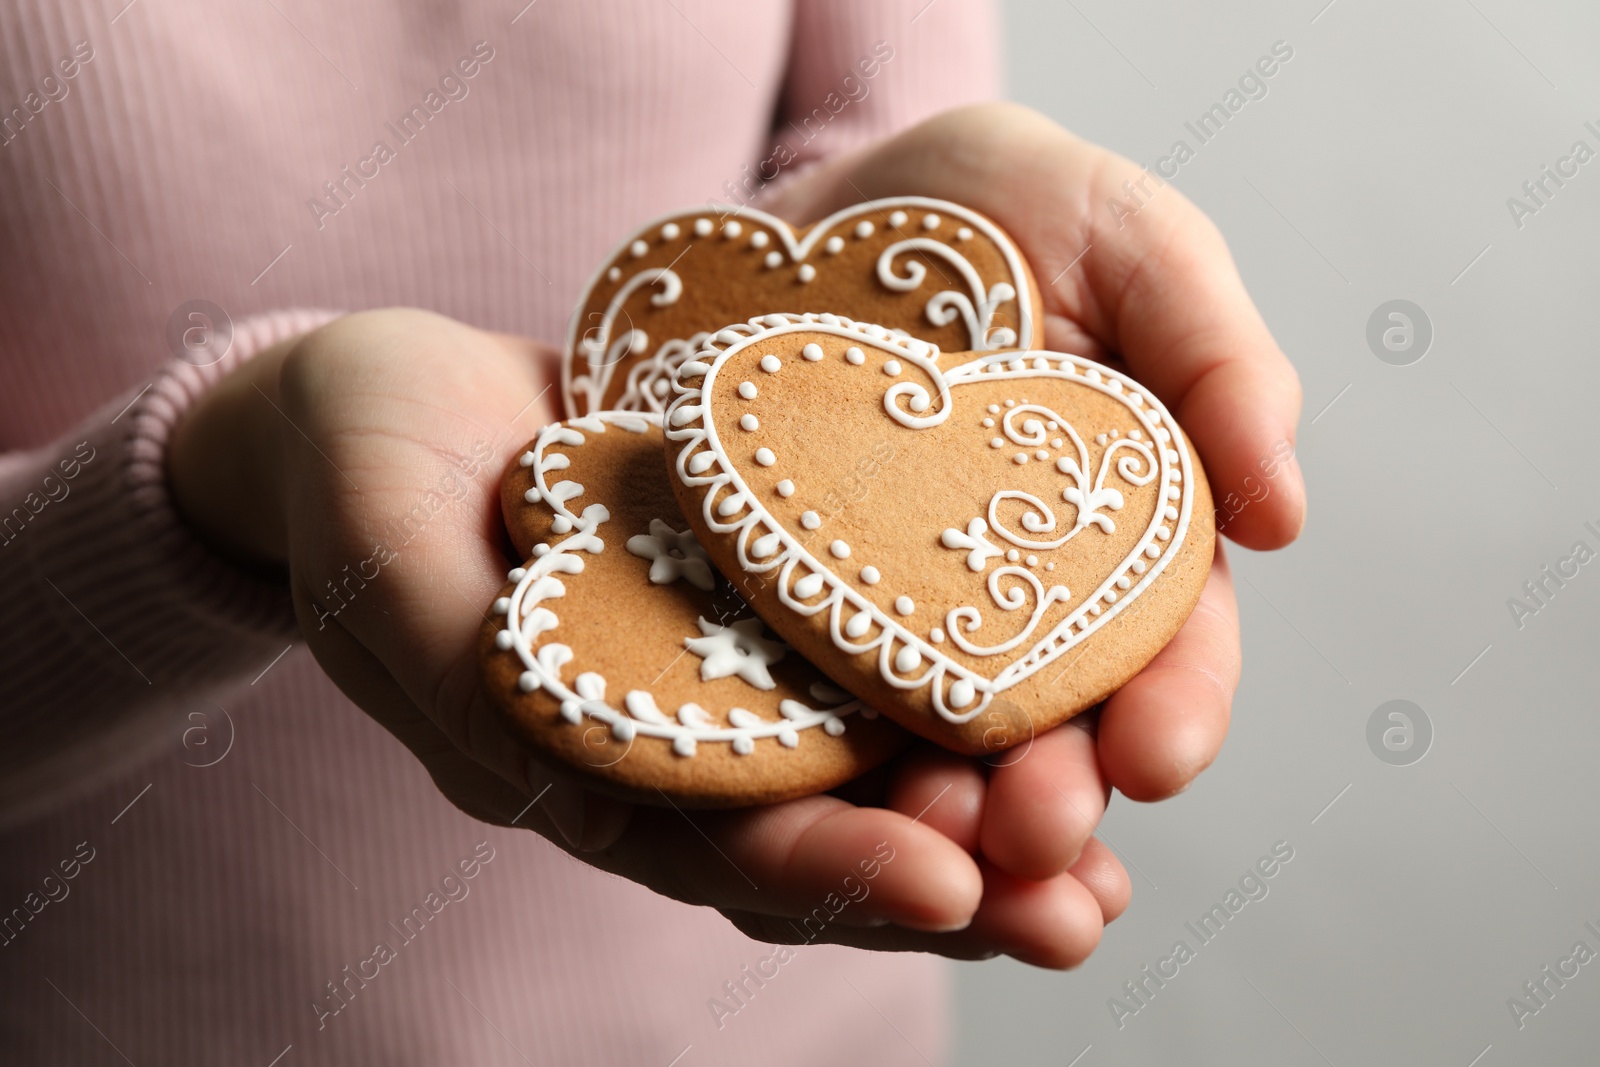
(1149, 284)
(366, 457)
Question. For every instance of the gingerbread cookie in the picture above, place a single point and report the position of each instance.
(933, 269)
(940, 537)
(619, 650)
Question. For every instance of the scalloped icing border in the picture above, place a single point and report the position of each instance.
(702, 462)
(538, 582)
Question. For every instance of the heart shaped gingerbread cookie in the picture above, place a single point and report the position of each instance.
(930, 268)
(620, 650)
(941, 534)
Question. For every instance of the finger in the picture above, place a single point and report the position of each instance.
(794, 858)
(941, 790)
(1055, 923)
(1103, 875)
(1167, 724)
(1040, 810)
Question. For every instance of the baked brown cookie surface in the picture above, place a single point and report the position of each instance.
(938, 271)
(619, 650)
(949, 538)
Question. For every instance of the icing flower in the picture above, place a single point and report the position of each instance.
(673, 555)
(736, 649)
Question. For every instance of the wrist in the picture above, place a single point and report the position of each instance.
(224, 466)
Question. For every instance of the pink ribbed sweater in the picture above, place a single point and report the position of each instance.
(201, 832)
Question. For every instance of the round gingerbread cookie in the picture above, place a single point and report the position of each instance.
(1000, 542)
(933, 269)
(619, 650)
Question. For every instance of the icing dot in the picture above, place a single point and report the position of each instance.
(931, 222)
(1033, 561)
(759, 239)
(1169, 512)
(870, 575)
(1173, 492)
(1011, 403)
(1111, 596)
(892, 367)
(1152, 551)
(702, 227)
(834, 245)
(1020, 457)
(732, 230)
(864, 228)
(613, 274)
(936, 635)
(1163, 533)
(527, 681)
(997, 443)
(747, 390)
(839, 549)
(1139, 566)
(994, 409)
(1057, 443)
(541, 550)
(807, 272)
(560, 524)
(516, 574)
(670, 231)
(907, 659)
(1050, 566)
(961, 693)
(897, 219)
(503, 640)
(855, 355)
(1123, 583)
(904, 605)
(526, 459)
(502, 605)
(1013, 555)
(812, 351)
(774, 259)
(988, 424)
(770, 364)
(1100, 439)
(1041, 455)
(1171, 456)
(810, 520)
(749, 422)
(964, 234)
(765, 457)
(638, 248)
(1136, 435)
(786, 488)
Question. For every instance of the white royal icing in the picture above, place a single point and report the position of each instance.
(737, 649)
(1150, 451)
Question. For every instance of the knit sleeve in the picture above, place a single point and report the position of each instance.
(116, 618)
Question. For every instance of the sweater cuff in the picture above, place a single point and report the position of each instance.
(119, 556)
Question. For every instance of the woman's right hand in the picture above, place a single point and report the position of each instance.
(376, 443)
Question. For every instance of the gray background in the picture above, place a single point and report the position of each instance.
(1381, 161)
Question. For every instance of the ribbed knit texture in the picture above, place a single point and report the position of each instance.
(282, 832)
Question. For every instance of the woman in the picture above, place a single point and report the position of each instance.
(184, 709)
